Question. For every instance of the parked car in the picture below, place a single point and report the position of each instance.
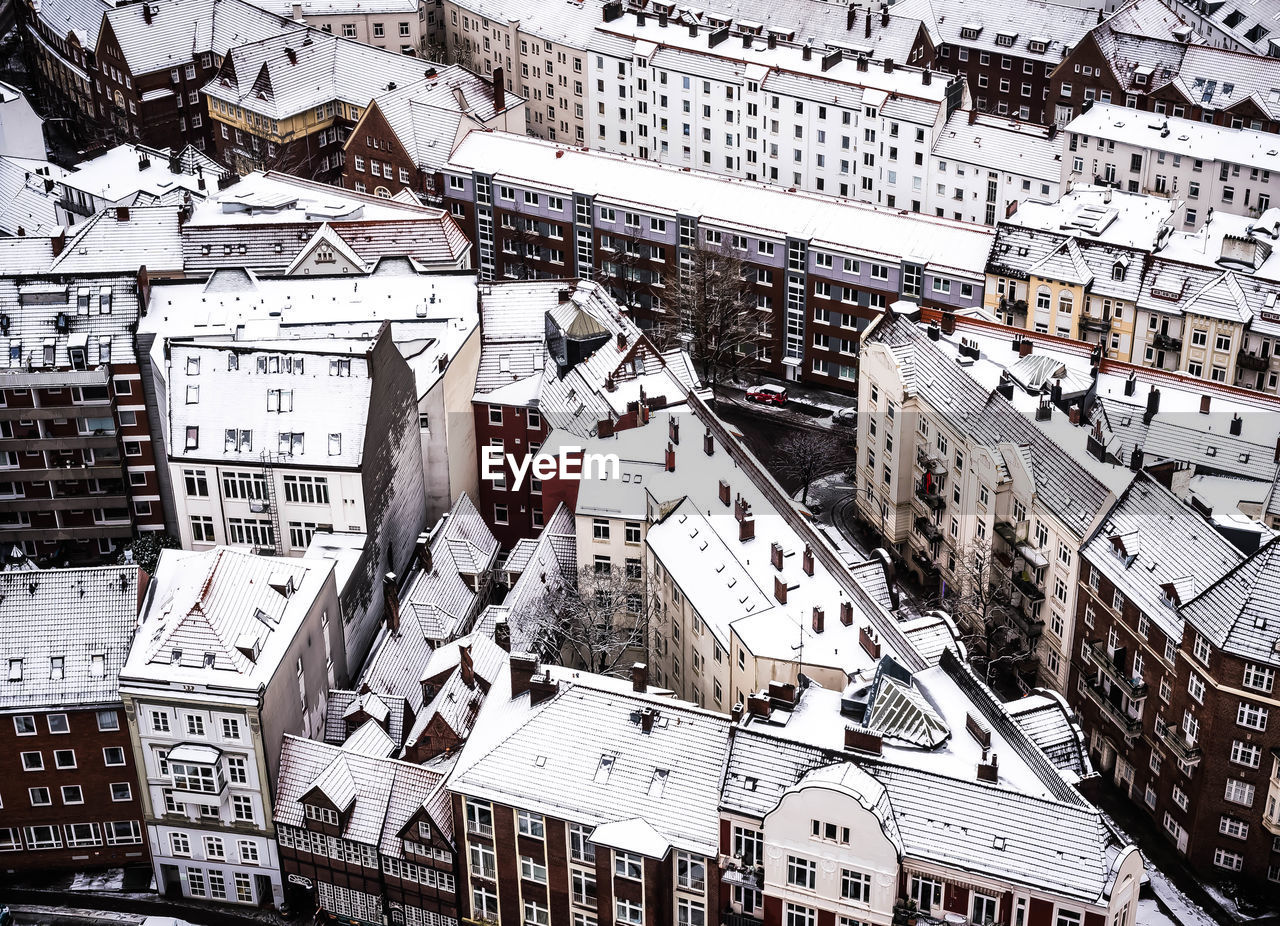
(846, 417)
(775, 395)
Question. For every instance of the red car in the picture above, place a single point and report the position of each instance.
(772, 394)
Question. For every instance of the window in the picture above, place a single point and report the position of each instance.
(628, 911)
(242, 807)
(237, 770)
(1232, 861)
(798, 915)
(533, 870)
(532, 824)
(855, 886)
(599, 529)
(58, 723)
(691, 872)
(1246, 754)
(24, 725)
(1239, 792)
(72, 794)
(479, 819)
(1260, 678)
(1253, 716)
(626, 865)
(64, 758)
(121, 791)
(581, 849)
(195, 725)
(802, 872)
(230, 728)
(32, 761)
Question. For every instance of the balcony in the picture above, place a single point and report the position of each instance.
(1130, 726)
(932, 497)
(1164, 341)
(1007, 531)
(1100, 325)
(1024, 619)
(740, 919)
(1248, 361)
(1176, 742)
(747, 876)
(1024, 583)
(1133, 686)
(924, 561)
(930, 530)
(930, 463)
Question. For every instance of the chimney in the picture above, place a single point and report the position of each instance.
(775, 555)
(989, 771)
(819, 619)
(502, 636)
(1131, 383)
(807, 52)
(59, 242)
(736, 713)
(146, 13)
(1236, 424)
(297, 12)
(807, 560)
(1204, 404)
(772, 41)
(869, 642)
(647, 717)
(709, 447)
(1135, 458)
(779, 590)
(673, 429)
(747, 526)
(1277, 454)
(391, 598)
(1073, 414)
(423, 550)
(973, 116)
(499, 91)
(693, 30)
(888, 65)
(846, 613)
(662, 20)
(781, 694)
(622, 340)
(523, 667)
(884, 22)
(724, 493)
(1153, 405)
(671, 458)
(640, 677)
(867, 28)
(564, 295)
(758, 706)
(466, 666)
(122, 213)
(851, 18)
(926, 77)
(948, 323)
(639, 18)
(863, 740)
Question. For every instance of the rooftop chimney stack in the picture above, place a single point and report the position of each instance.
(391, 599)
(758, 705)
(466, 667)
(807, 560)
(819, 619)
(670, 458)
(846, 613)
(775, 555)
(523, 667)
(709, 446)
(640, 677)
(502, 636)
(673, 429)
(499, 91)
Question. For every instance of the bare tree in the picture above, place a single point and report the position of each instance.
(624, 270)
(984, 605)
(806, 454)
(601, 623)
(711, 306)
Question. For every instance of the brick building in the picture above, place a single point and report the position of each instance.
(406, 135)
(76, 440)
(153, 59)
(1007, 60)
(558, 355)
(69, 779)
(1173, 676)
(1145, 56)
(822, 268)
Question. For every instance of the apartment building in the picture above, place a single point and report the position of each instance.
(822, 267)
(949, 470)
(152, 59)
(363, 835)
(556, 354)
(80, 465)
(985, 166)
(270, 112)
(272, 439)
(233, 652)
(718, 629)
(1209, 168)
(129, 176)
(749, 106)
(1147, 56)
(1006, 60)
(1170, 683)
(58, 42)
(69, 775)
(1074, 268)
(648, 839)
(404, 26)
(406, 135)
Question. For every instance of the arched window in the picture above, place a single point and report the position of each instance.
(382, 193)
(1066, 302)
(1042, 299)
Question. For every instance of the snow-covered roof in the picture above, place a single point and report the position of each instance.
(222, 617)
(1187, 137)
(583, 756)
(1238, 612)
(173, 32)
(44, 664)
(839, 224)
(1038, 30)
(1023, 149)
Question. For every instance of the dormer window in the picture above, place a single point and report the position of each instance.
(321, 814)
(424, 829)
(1037, 45)
(104, 348)
(970, 30)
(193, 438)
(1005, 39)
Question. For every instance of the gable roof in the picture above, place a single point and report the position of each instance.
(1240, 612)
(175, 32)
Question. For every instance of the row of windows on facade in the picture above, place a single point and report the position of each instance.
(72, 835)
(240, 440)
(215, 849)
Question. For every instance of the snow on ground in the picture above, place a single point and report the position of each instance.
(111, 879)
(1150, 914)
